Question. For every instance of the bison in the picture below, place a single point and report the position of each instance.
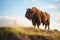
(37, 17)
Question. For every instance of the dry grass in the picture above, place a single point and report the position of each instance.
(31, 31)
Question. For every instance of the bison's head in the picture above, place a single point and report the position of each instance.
(28, 14)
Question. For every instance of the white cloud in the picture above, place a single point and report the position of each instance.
(12, 21)
(51, 6)
(54, 25)
(34, 0)
(8, 1)
(48, 7)
(57, 14)
(25, 1)
(57, 0)
(8, 17)
(0, 17)
(6, 21)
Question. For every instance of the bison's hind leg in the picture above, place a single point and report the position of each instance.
(48, 23)
(45, 26)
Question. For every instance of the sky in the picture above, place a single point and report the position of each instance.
(15, 9)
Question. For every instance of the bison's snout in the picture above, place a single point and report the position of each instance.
(28, 17)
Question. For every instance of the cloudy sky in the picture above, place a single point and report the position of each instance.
(17, 8)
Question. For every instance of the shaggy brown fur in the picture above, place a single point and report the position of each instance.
(38, 17)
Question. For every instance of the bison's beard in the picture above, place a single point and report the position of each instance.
(28, 18)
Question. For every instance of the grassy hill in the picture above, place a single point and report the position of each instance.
(27, 33)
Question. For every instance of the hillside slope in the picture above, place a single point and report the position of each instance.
(27, 33)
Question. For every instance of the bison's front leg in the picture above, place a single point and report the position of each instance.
(38, 25)
(48, 25)
(34, 23)
(38, 22)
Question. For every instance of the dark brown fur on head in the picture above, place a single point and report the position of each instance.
(28, 14)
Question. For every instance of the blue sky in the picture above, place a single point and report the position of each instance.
(17, 8)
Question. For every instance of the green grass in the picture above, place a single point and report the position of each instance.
(55, 35)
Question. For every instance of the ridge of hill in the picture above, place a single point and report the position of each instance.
(28, 33)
